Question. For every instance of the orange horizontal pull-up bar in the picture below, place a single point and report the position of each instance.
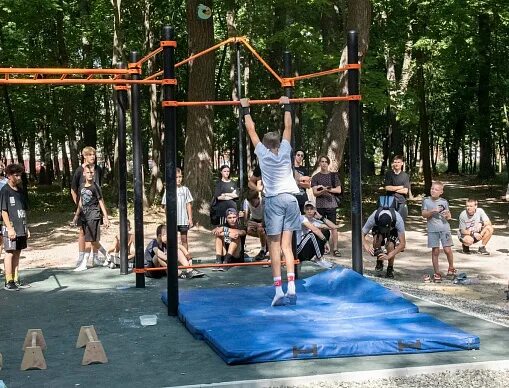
(60, 71)
(75, 81)
(210, 265)
(262, 102)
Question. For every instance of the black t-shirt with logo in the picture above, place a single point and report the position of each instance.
(90, 197)
(14, 203)
(78, 178)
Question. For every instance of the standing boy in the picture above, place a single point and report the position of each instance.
(3, 182)
(184, 209)
(281, 213)
(15, 231)
(90, 206)
(89, 158)
(436, 210)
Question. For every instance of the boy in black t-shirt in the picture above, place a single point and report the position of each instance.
(90, 206)
(89, 157)
(15, 233)
(156, 257)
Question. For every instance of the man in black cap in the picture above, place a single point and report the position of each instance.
(388, 230)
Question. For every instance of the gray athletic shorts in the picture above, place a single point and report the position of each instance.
(281, 213)
(437, 238)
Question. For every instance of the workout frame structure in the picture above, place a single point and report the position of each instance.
(122, 78)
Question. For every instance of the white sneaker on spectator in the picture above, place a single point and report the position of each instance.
(323, 263)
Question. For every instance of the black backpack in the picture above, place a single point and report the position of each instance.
(386, 204)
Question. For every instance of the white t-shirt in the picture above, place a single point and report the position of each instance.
(474, 222)
(277, 172)
(255, 213)
(299, 234)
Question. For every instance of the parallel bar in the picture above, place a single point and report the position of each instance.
(170, 163)
(355, 152)
(138, 174)
(325, 72)
(148, 56)
(206, 51)
(121, 99)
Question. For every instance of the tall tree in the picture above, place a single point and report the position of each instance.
(486, 168)
(359, 19)
(200, 120)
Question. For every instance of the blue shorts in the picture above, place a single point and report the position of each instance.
(281, 213)
(435, 238)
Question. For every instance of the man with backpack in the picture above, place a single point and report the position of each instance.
(397, 183)
(388, 230)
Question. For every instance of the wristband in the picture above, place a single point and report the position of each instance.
(245, 110)
(287, 108)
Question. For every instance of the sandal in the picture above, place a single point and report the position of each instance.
(437, 278)
(451, 273)
(337, 253)
(426, 278)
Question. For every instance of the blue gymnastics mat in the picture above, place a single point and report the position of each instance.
(339, 313)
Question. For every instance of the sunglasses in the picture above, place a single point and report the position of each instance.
(299, 155)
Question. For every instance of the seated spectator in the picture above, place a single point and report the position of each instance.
(112, 254)
(229, 240)
(474, 227)
(253, 213)
(388, 231)
(312, 239)
(155, 257)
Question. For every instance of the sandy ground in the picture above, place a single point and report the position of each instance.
(53, 244)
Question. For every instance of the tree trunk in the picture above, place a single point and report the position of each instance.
(31, 158)
(423, 122)
(14, 128)
(454, 149)
(358, 18)
(156, 183)
(66, 176)
(200, 120)
(486, 169)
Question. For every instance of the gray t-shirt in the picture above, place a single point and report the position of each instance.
(437, 222)
(474, 223)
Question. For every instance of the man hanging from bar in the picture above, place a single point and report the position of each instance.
(281, 213)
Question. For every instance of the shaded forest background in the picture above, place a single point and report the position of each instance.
(434, 81)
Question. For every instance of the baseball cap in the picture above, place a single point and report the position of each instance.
(231, 210)
(384, 219)
(309, 203)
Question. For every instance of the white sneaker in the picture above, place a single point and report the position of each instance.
(324, 263)
(98, 262)
(112, 265)
(107, 261)
(81, 265)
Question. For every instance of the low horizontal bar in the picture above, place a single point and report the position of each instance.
(71, 81)
(59, 71)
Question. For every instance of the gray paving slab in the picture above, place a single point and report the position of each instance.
(165, 355)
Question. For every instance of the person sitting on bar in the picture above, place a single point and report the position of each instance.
(156, 257)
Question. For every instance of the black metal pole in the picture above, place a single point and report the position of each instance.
(287, 72)
(138, 174)
(121, 98)
(355, 151)
(170, 152)
(242, 136)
